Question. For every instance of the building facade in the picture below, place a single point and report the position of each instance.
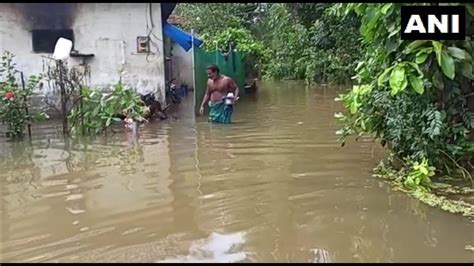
(114, 40)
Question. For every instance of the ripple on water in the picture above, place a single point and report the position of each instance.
(273, 187)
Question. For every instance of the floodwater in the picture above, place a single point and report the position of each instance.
(273, 187)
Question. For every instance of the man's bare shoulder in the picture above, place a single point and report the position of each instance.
(227, 78)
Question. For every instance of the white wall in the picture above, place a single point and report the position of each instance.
(182, 65)
(109, 31)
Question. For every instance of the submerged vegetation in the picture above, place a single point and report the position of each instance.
(436, 194)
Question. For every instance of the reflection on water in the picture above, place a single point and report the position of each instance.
(217, 248)
(273, 187)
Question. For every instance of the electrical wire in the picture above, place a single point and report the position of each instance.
(149, 15)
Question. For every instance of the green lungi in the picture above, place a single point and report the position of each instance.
(219, 112)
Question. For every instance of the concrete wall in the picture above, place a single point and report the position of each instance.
(180, 67)
(182, 63)
(109, 31)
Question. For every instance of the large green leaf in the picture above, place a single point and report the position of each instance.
(354, 105)
(386, 7)
(438, 80)
(359, 65)
(417, 68)
(398, 80)
(421, 58)
(470, 9)
(438, 47)
(466, 70)
(459, 53)
(417, 84)
(384, 76)
(413, 46)
(447, 65)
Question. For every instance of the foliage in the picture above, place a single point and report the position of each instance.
(83, 110)
(336, 47)
(223, 24)
(286, 41)
(241, 38)
(419, 175)
(96, 111)
(214, 17)
(323, 52)
(14, 100)
(410, 94)
(307, 13)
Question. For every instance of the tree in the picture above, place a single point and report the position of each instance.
(411, 95)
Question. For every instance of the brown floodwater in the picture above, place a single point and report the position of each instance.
(275, 186)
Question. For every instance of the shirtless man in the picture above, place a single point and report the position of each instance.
(217, 88)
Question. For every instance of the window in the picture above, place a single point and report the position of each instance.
(44, 41)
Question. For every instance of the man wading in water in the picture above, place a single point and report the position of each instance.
(218, 88)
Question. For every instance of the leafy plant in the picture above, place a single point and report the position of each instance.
(239, 37)
(96, 110)
(285, 41)
(416, 104)
(14, 100)
(419, 175)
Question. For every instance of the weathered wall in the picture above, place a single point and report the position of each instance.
(182, 63)
(108, 30)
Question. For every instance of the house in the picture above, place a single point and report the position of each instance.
(110, 38)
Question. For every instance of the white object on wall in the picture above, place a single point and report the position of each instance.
(62, 49)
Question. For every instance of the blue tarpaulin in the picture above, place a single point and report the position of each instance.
(181, 37)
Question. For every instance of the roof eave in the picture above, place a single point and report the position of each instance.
(166, 10)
